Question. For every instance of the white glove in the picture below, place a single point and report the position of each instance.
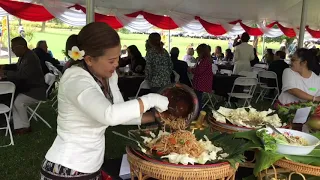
(155, 100)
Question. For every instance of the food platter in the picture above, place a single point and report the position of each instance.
(183, 105)
(225, 125)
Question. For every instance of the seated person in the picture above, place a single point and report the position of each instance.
(42, 52)
(300, 84)
(29, 81)
(218, 53)
(278, 66)
(229, 55)
(137, 62)
(189, 57)
(180, 67)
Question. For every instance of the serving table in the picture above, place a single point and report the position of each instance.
(144, 169)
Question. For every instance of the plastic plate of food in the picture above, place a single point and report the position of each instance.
(301, 143)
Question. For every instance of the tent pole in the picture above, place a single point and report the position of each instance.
(169, 41)
(9, 41)
(302, 23)
(89, 11)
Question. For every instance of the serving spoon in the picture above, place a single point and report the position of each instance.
(278, 132)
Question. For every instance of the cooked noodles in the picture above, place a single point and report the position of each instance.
(180, 142)
(174, 123)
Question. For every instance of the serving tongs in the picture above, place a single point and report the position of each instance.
(278, 132)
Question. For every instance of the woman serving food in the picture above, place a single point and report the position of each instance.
(300, 84)
(89, 102)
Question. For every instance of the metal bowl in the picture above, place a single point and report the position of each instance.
(183, 103)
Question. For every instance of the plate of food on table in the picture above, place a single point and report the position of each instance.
(173, 142)
(244, 119)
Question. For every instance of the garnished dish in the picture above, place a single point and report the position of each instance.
(289, 142)
(247, 117)
(173, 122)
(183, 147)
(187, 148)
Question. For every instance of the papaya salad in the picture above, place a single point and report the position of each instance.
(182, 147)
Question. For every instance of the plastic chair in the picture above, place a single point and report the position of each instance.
(225, 71)
(144, 85)
(50, 79)
(176, 76)
(257, 70)
(262, 66)
(265, 88)
(215, 69)
(7, 88)
(249, 83)
(210, 96)
(248, 74)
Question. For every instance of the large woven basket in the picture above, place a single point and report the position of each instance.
(298, 167)
(144, 169)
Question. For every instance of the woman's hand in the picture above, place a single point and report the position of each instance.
(154, 100)
(147, 118)
(317, 99)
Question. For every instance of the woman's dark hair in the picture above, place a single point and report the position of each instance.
(134, 51)
(154, 40)
(94, 39)
(269, 51)
(245, 37)
(229, 53)
(307, 55)
(174, 53)
(203, 50)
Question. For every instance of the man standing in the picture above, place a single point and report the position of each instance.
(29, 81)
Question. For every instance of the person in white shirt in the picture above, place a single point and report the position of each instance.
(89, 102)
(243, 54)
(300, 84)
(189, 57)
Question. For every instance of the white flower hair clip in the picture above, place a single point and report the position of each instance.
(76, 54)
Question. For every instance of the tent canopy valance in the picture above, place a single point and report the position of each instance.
(217, 17)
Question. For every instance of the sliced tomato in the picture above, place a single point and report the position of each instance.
(173, 140)
(160, 153)
(187, 142)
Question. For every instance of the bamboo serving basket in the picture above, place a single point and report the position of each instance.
(298, 167)
(144, 169)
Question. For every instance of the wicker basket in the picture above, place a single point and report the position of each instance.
(144, 169)
(298, 167)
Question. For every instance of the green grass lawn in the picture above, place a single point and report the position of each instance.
(56, 39)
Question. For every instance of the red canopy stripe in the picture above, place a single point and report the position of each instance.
(26, 11)
(314, 33)
(163, 22)
(286, 31)
(110, 20)
(214, 29)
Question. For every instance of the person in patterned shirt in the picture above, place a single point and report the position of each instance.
(202, 73)
(158, 63)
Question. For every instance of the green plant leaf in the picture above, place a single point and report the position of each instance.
(264, 159)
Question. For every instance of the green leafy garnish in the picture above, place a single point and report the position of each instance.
(270, 143)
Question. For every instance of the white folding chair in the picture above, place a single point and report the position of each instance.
(225, 71)
(144, 85)
(248, 74)
(58, 75)
(50, 80)
(257, 70)
(210, 96)
(269, 75)
(176, 76)
(215, 69)
(249, 83)
(262, 66)
(7, 88)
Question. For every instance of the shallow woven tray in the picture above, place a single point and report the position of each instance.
(298, 167)
(229, 128)
(144, 169)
